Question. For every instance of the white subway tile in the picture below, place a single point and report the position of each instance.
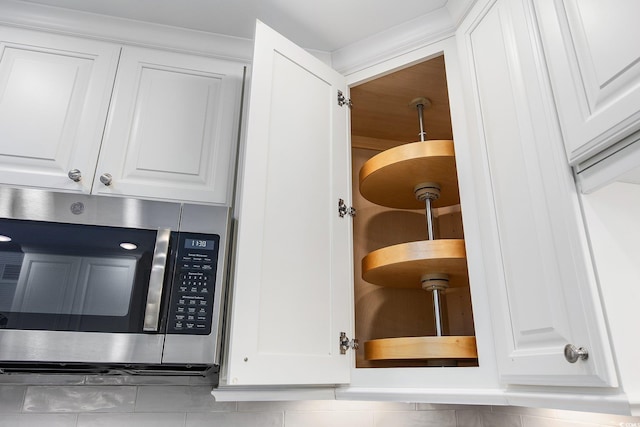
(80, 399)
(235, 419)
(330, 418)
(11, 398)
(415, 419)
(179, 398)
(501, 419)
(468, 418)
(131, 420)
(38, 420)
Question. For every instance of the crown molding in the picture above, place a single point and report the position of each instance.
(124, 31)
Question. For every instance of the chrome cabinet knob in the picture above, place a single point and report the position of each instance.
(106, 179)
(75, 175)
(573, 353)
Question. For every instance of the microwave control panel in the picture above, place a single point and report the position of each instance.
(191, 305)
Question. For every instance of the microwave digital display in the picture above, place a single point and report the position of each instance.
(206, 245)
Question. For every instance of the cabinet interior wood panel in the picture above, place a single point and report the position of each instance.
(54, 95)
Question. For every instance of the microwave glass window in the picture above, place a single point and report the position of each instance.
(73, 277)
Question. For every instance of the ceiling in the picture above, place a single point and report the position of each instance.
(324, 25)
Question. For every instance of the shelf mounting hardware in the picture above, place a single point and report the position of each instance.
(344, 210)
(346, 343)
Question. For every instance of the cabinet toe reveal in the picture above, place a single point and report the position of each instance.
(419, 175)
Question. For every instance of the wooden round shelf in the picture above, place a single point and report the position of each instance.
(411, 348)
(403, 265)
(388, 178)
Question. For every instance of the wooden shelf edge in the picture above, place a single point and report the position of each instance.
(413, 348)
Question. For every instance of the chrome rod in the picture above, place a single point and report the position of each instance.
(423, 134)
(437, 311)
(429, 214)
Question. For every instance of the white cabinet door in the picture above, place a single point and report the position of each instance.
(172, 127)
(593, 56)
(54, 96)
(292, 290)
(542, 283)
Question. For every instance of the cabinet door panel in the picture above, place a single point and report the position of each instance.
(292, 287)
(54, 95)
(544, 285)
(172, 127)
(594, 63)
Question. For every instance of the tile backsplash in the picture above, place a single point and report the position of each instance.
(192, 405)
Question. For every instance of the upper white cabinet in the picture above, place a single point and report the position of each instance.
(594, 64)
(293, 285)
(171, 119)
(542, 284)
(54, 96)
(172, 127)
(292, 290)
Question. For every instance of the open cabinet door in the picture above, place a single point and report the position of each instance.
(292, 285)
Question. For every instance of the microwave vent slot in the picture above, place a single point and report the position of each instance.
(10, 272)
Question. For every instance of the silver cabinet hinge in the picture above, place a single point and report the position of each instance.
(344, 210)
(343, 100)
(346, 343)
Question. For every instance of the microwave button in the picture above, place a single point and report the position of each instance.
(191, 310)
(180, 310)
(190, 325)
(179, 325)
(200, 326)
(179, 316)
(207, 267)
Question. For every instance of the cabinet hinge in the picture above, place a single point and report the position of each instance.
(342, 100)
(344, 210)
(346, 343)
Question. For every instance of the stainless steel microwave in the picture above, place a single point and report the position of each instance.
(106, 284)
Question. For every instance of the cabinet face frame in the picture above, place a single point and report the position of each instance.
(483, 376)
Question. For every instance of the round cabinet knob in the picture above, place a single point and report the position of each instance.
(75, 175)
(106, 179)
(573, 353)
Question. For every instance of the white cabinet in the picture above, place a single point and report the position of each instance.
(54, 96)
(594, 64)
(542, 285)
(170, 123)
(172, 127)
(292, 290)
(292, 293)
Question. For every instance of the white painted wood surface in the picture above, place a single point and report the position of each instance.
(594, 62)
(542, 286)
(612, 215)
(54, 96)
(172, 127)
(293, 281)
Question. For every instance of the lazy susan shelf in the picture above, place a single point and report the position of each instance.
(407, 348)
(388, 179)
(403, 265)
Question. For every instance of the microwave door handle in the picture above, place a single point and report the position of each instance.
(156, 281)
